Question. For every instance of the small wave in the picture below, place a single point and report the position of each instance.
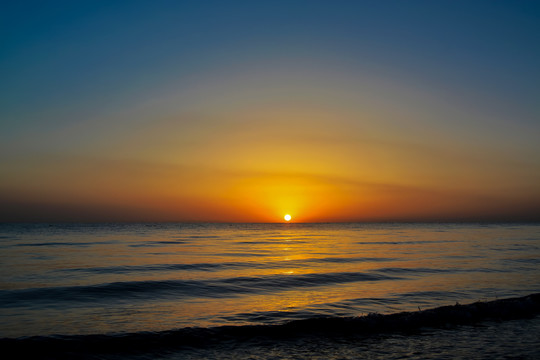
(218, 266)
(178, 288)
(245, 254)
(409, 242)
(63, 244)
(414, 270)
(159, 243)
(534, 261)
(352, 259)
(154, 267)
(171, 242)
(203, 236)
(272, 242)
(131, 344)
(421, 271)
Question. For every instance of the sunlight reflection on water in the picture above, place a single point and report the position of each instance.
(164, 276)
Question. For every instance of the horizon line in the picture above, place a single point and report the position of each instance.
(447, 221)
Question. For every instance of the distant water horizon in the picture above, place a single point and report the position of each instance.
(180, 222)
(78, 279)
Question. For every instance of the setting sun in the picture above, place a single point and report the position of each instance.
(287, 217)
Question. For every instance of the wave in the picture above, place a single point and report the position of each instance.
(100, 345)
(405, 242)
(222, 265)
(155, 267)
(178, 288)
(63, 244)
(207, 288)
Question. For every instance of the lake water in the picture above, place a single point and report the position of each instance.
(113, 279)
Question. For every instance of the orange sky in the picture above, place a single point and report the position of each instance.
(322, 117)
(256, 164)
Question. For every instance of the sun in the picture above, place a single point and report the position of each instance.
(287, 217)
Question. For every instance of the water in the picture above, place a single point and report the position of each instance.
(114, 279)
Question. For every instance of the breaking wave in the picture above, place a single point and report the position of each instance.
(130, 344)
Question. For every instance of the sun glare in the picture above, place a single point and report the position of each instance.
(287, 217)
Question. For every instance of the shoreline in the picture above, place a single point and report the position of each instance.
(449, 316)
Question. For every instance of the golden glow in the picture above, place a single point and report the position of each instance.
(335, 162)
(287, 217)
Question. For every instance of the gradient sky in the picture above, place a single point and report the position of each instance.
(244, 111)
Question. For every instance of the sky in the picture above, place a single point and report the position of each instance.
(244, 111)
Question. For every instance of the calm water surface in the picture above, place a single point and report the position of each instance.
(116, 278)
(153, 279)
